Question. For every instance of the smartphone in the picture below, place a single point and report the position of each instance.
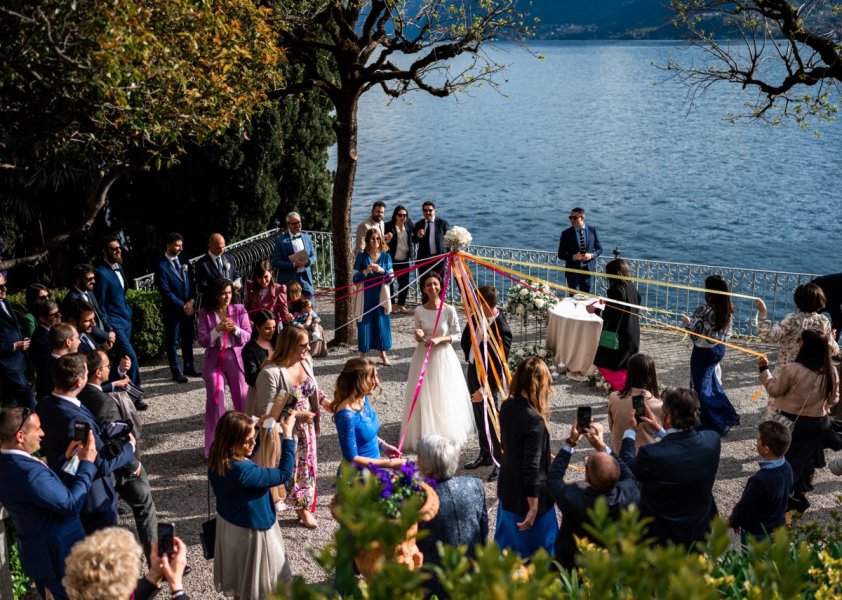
(166, 533)
(583, 417)
(80, 431)
(639, 408)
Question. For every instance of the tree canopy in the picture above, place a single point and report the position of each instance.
(789, 54)
(94, 90)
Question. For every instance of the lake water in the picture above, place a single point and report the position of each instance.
(585, 126)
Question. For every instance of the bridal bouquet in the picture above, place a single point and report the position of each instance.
(522, 300)
(457, 237)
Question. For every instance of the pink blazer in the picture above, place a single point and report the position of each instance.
(207, 322)
(275, 301)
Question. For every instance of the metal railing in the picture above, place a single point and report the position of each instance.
(774, 287)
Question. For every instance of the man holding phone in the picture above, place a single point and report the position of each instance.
(131, 482)
(45, 511)
(59, 414)
(605, 477)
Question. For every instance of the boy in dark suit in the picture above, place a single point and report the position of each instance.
(762, 507)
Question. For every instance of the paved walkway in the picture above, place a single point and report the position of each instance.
(173, 441)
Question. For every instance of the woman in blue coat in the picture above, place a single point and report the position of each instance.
(250, 558)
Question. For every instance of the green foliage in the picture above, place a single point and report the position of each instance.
(21, 582)
(147, 323)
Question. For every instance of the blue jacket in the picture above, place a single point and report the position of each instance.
(568, 246)
(762, 507)
(58, 417)
(111, 296)
(288, 271)
(44, 511)
(175, 290)
(9, 334)
(242, 494)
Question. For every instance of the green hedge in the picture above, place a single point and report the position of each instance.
(147, 323)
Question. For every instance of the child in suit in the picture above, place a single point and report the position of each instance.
(762, 507)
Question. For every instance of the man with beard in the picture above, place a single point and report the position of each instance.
(375, 221)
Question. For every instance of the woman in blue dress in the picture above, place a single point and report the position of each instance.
(356, 422)
(714, 320)
(372, 305)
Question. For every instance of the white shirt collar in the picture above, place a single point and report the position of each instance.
(19, 452)
(74, 401)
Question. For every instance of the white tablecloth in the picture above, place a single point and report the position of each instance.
(573, 336)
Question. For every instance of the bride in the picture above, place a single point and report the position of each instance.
(444, 405)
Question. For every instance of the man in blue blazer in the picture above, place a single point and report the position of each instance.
(45, 511)
(579, 247)
(110, 291)
(59, 414)
(83, 279)
(177, 305)
(13, 347)
(676, 475)
(605, 478)
(287, 244)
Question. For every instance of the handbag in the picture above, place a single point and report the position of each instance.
(611, 339)
(208, 533)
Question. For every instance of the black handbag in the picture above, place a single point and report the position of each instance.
(208, 534)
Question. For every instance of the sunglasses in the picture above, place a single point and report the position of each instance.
(575, 217)
(293, 223)
(115, 248)
(404, 215)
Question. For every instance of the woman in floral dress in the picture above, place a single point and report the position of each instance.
(290, 369)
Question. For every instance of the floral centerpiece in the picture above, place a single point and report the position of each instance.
(457, 237)
(398, 486)
(521, 353)
(534, 300)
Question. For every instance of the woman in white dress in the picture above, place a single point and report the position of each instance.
(444, 405)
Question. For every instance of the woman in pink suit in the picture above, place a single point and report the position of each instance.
(223, 331)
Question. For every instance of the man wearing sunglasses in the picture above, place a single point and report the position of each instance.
(45, 511)
(579, 247)
(13, 347)
(83, 278)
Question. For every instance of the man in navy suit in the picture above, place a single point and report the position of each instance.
(676, 475)
(579, 247)
(286, 245)
(45, 511)
(605, 477)
(428, 233)
(62, 339)
(13, 347)
(177, 305)
(46, 316)
(84, 278)
(214, 265)
(59, 414)
(110, 291)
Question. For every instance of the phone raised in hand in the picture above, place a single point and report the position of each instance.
(166, 533)
(639, 407)
(81, 429)
(583, 417)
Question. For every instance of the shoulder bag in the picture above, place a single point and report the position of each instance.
(611, 339)
(208, 533)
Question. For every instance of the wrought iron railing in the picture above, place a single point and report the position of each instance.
(774, 287)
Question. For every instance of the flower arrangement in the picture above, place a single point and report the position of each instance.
(521, 353)
(598, 381)
(457, 237)
(397, 486)
(534, 300)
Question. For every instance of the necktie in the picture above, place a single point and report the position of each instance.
(176, 267)
(220, 266)
(430, 240)
(87, 341)
(582, 240)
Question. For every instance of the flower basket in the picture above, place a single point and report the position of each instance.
(368, 560)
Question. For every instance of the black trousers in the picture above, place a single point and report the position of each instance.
(579, 282)
(401, 283)
(482, 433)
(136, 493)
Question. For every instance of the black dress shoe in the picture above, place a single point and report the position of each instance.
(141, 405)
(481, 461)
(495, 472)
(192, 373)
(179, 378)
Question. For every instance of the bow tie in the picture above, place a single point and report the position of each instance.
(296, 237)
(115, 267)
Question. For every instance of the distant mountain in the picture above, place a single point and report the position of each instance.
(602, 19)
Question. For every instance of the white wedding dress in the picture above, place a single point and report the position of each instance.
(444, 404)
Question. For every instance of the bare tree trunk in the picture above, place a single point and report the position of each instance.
(343, 191)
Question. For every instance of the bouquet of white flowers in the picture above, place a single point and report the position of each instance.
(522, 300)
(521, 353)
(457, 237)
(598, 381)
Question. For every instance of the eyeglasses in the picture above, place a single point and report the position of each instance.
(429, 210)
(251, 441)
(303, 346)
(575, 217)
(293, 223)
(25, 413)
(92, 277)
(404, 215)
(55, 315)
(105, 366)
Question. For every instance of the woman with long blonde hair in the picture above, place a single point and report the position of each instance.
(356, 422)
(289, 372)
(526, 517)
